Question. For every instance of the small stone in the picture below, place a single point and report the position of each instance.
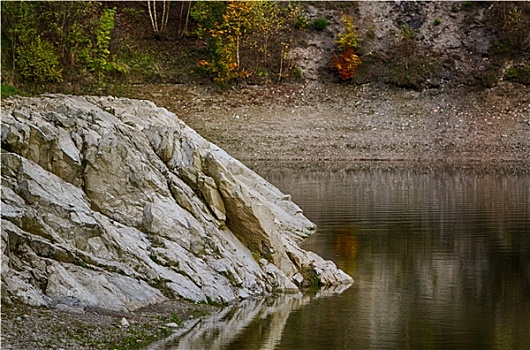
(124, 323)
(298, 279)
(172, 325)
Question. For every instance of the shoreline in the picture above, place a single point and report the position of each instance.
(30, 327)
(504, 167)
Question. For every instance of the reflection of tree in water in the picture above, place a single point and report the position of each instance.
(346, 245)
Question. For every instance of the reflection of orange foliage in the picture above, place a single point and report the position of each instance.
(345, 242)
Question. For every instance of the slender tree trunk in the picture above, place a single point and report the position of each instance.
(281, 65)
(237, 51)
(179, 31)
(187, 19)
(165, 15)
(151, 6)
(153, 16)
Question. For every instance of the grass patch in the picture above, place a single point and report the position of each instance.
(137, 337)
(173, 318)
(9, 90)
(311, 279)
(81, 263)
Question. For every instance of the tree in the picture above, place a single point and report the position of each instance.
(158, 28)
(347, 61)
(245, 38)
(49, 37)
(183, 30)
(511, 21)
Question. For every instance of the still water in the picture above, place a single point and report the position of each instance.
(440, 258)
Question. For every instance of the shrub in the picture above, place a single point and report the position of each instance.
(320, 24)
(519, 73)
(48, 38)
(517, 28)
(349, 38)
(347, 61)
(301, 22)
(298, 73)
(97, 55)
(36, 60)
(511, 73)
(511, 22)
(407, 33)
(245, 38)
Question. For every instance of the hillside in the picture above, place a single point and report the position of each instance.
(416, 45)
(439, 81)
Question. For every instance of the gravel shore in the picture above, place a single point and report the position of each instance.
(28, 328)
(334, 122)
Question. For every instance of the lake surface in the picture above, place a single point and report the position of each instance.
(440, 258)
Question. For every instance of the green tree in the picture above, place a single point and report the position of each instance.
(36, 59)
(46, 35)
(33, 56)
(96, 54)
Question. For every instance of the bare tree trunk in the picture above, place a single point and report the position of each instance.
(281, 65)
(151, 6)
(165, 15)
(187, 19)
(152, 15)
(237, 52)
(179, 31)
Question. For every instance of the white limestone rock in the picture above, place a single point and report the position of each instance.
(116, 203)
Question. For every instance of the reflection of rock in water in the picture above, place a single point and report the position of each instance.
(262, 319)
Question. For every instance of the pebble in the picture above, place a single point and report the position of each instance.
(124, 323)
(172, 325)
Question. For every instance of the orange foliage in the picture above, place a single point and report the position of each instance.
(346, 63)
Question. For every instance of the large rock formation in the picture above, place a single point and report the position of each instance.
(116, 203)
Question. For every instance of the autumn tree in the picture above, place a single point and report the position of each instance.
(245, 38)
(347, 61)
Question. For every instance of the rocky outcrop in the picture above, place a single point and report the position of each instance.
(116, 203)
